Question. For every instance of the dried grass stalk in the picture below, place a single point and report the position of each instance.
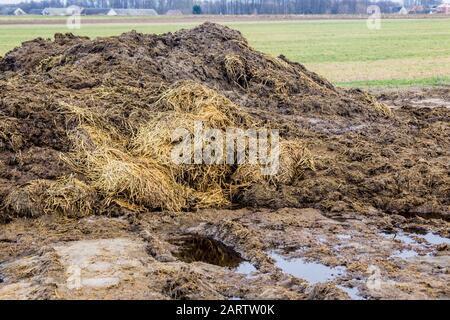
(194, 98)
(29, 200)
(71, 197)
(278, 62)
(235, 69)
(9, 133)
(118, 175)
(295, 159)
(381, 108)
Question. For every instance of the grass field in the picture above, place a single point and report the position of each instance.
(413, 52)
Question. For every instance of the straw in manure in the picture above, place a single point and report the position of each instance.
(71, 197)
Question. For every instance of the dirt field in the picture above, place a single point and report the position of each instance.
(271, 254)
(92, 208)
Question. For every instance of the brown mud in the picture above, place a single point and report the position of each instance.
(364, 195)
(98, 257)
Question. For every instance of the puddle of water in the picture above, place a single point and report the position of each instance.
(353, 293)
(193, 248)
(405, 254)
(405, 238)
(313, 272)
(430, 237)
(399, 236)
(246, 268)
(434, 238)
(322, 239)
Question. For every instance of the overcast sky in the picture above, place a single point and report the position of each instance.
(9, 1)
(17, 1)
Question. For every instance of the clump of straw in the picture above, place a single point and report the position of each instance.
(9, 134)
(295, 159)
(192, 97)
(71, 197)
(28, 200)
(235, 69)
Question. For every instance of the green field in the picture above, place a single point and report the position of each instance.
(403, 53)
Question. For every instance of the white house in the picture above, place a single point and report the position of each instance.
(174, 12)
(19, 12)
(9, 11)
(62, 11)
(403, 11)
(95, 11)
(132, 12)
(54, 12)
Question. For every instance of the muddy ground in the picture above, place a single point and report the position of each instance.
(246, 253)
(361, 211)
(274, 254)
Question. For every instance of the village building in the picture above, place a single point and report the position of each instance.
(402, 11)
(443, 8)
(12, 11)
(19, 12)
(174, 13)
(55, 12)
(95, 11)
(132, 12)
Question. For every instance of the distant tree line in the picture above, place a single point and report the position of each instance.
(235, 6)
(293, 6)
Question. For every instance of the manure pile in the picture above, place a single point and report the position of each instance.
(85, 128)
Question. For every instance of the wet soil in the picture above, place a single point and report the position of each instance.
(434, 97)
(193, 247)
(294, 254)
